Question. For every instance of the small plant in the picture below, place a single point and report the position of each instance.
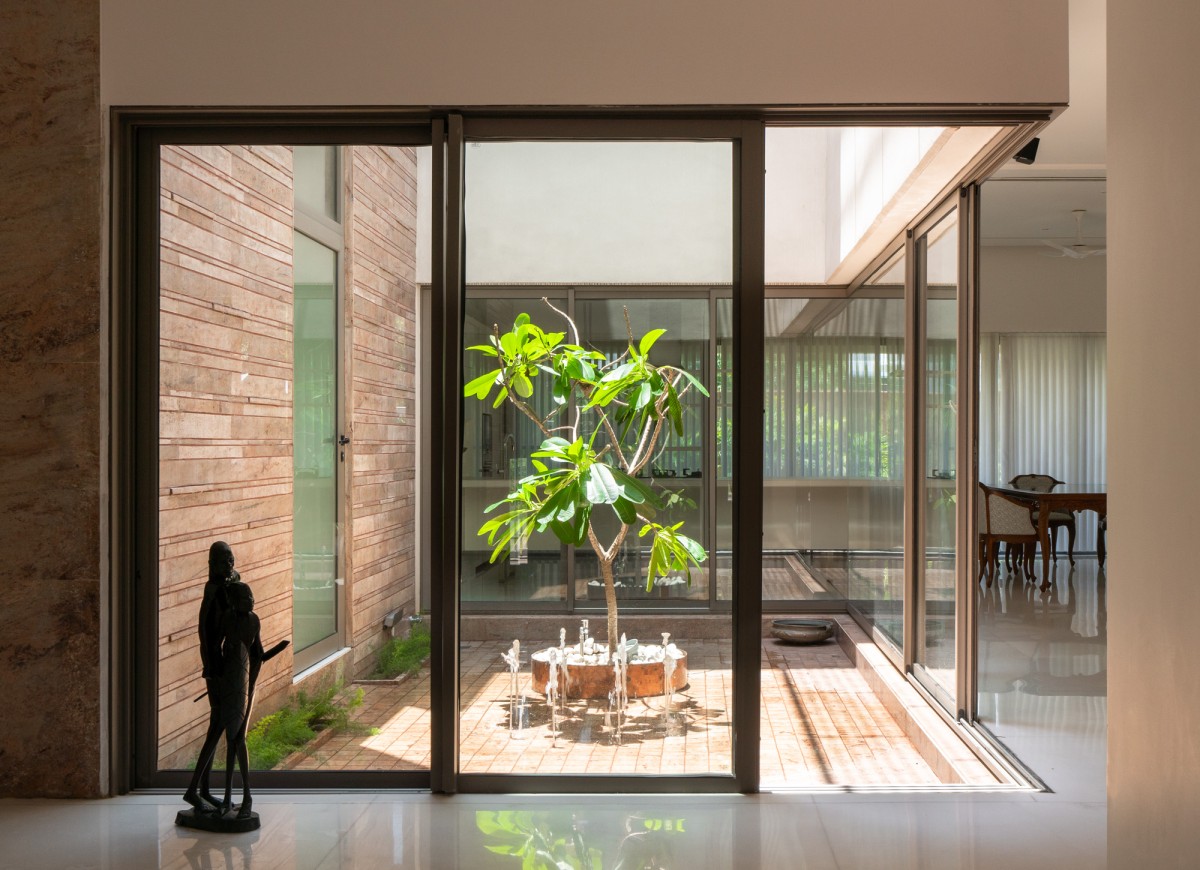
(403, 655)
(277, 736)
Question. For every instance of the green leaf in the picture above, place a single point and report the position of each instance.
(674, 411)
(645, 393)
(522, 319)
(691, 378)
(625, 511)
(484, 348)
(562, 390)
(618, 373)
(502, 546)
(482, 385)
(693, 548)
(500, 397)
(522, 385)
(648, 340)
(635, 490)
(602, 487)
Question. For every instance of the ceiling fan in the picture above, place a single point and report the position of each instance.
(1078, 250)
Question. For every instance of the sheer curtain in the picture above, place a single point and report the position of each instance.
(1042, 411)
(834, 407)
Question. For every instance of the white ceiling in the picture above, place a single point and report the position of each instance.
(1026, 204)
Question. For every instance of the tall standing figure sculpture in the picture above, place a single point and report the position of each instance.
(232, 654)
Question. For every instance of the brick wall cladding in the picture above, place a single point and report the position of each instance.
(225, 440)
(226, 411)
(381, 220)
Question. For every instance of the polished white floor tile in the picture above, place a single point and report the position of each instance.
(1043, 667)
(1043, 661)
(355, 832)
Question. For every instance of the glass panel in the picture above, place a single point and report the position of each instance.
(722, 495)
(833, 454)
(830, 190)
(654, 212)
(936, 609)
(1043, 656)
(317, 175)
(253, 397)
(676, 470)
(497, 447)
(612, 520)
(314, 456)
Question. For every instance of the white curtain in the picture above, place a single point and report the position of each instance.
(1042, 411)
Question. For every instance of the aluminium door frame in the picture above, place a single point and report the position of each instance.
(133, 267)
(747, 178)
(956, 705)
(135, 373)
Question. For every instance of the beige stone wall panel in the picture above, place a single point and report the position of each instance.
(50, 300)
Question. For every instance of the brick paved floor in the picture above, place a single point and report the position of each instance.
(821, 725)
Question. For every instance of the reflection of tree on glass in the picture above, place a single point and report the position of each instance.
(576, 471)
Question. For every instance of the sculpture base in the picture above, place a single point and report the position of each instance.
(227, 823)
(596, 681)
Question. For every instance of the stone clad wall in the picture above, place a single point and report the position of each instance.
(51, 196)
(381, 221)
(226, 368)
(225, 423)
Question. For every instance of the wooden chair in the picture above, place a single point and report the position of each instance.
(1058, 519)
(1006, 519)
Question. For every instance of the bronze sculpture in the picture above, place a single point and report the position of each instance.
(232, 654)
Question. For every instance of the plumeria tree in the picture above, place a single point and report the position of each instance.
(608, 419)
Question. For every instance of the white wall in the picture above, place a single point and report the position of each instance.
(570, 52)
(1154, 460)
(1021, 289)
(873, 162)
(599, 212)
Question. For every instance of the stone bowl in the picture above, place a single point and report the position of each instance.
(802, 630)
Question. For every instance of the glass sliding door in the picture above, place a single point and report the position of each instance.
(590, 462)
(937, 295)
(282, 416)
(833, 453)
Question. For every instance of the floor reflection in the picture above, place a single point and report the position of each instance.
(1043, 671)
(573, 839)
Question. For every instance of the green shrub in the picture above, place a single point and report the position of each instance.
(277, 736)
(403, 655)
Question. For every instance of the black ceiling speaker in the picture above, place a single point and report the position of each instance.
(1028, 153)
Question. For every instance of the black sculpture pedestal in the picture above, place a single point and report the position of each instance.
(227, 823)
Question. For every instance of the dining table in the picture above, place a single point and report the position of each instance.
(1064, 497)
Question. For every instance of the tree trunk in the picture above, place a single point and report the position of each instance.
(610, 599)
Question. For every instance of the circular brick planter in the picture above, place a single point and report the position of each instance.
(596, 681)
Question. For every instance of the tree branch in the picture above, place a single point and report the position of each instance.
(564, 316)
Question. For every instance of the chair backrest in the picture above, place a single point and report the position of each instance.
(1004, 514)
(1035, 482)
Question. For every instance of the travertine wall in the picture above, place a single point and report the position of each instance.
(381, 230)
(1154, 415)
(50, 416)
(225, 422)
